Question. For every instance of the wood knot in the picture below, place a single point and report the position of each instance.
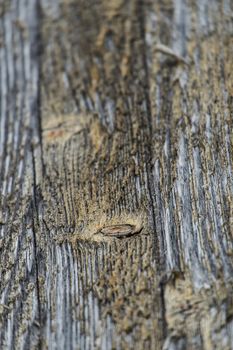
(120, 231)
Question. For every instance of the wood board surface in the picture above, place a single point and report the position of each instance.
(116, 113)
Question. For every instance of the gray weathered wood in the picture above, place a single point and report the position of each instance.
(116, 113)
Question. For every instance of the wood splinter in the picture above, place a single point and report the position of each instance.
(168, 51)
(120, 231)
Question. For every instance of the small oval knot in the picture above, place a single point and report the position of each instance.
(119, 231)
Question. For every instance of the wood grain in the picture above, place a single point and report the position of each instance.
(116, 113)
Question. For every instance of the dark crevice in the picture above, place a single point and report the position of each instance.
(35, 226)
(158, 242)
(37, 132)
(38, 105)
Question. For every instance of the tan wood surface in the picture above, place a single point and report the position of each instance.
(116, 112)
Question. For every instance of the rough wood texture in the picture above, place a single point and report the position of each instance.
(116, 112)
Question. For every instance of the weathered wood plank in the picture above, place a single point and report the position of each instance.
(102, 125)
(19, 288)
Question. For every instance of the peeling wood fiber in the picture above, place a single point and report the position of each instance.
(116, 113)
